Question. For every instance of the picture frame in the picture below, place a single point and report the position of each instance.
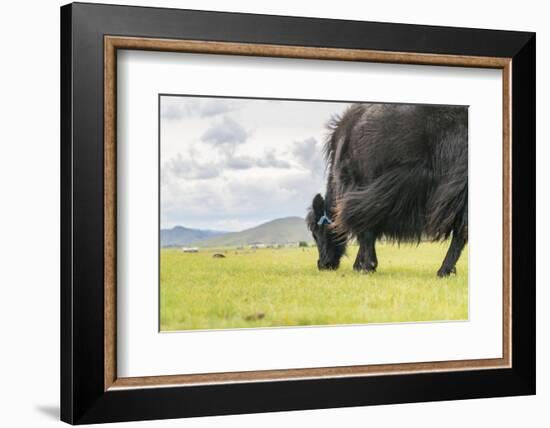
(91, 35)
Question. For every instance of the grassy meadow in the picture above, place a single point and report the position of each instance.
(282, 287)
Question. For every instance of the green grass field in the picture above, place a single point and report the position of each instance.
(282, 287)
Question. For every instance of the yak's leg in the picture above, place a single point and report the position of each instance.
(358, 264)
(453, 253)
(366, 260)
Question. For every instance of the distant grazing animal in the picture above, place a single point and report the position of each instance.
(395, 171)
(218, 256)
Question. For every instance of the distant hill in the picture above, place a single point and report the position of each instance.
(280, 231)
(179, 236)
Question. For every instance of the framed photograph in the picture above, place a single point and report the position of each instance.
(265, 213)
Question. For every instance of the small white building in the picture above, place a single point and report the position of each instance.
(190, 249)
(258, 246)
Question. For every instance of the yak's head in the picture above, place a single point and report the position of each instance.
(330, 246)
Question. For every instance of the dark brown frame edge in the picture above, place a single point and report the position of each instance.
(83, 395)
(114, 43)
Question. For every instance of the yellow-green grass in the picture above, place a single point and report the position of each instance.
(282, 287)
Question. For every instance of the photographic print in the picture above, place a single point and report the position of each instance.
(288, 213)
(298, 199)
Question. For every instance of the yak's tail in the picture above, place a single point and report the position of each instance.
(393, 205)
(448, 205)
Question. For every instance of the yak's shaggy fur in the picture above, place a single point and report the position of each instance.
(395, 171)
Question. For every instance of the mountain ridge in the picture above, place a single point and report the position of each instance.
(279, 231)
(178, 236)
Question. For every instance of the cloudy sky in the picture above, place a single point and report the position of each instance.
(230, 164)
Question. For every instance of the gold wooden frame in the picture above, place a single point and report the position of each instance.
(113, 43)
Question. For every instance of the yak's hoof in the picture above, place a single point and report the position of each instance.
(364, 267)
(444, 272)
(366, 271)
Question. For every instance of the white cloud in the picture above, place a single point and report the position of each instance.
(309, 153)
(260, 161)
(190, 169)
(269, 159)
(225, 132)
(175, 107)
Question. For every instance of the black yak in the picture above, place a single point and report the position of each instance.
(395, 171)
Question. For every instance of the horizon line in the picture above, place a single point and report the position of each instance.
(231, 231)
